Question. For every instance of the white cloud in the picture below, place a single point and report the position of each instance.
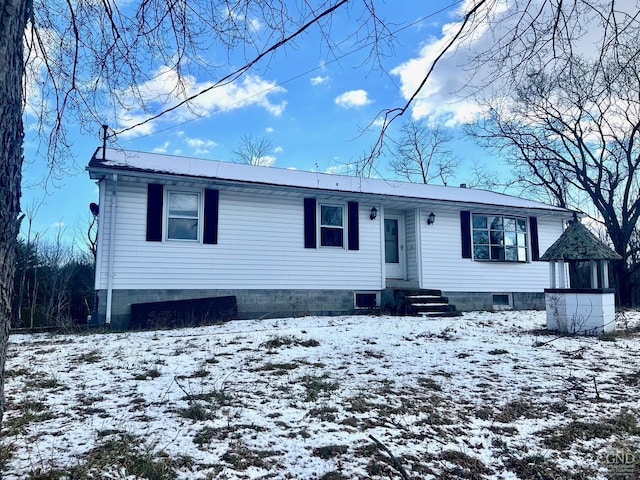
(164, 148)
(319, 80)
(339, 169)
(447, 96)
(443, 98)
(278, 150)
(269, 130)
(353, 99)
(166, 89)
(378, 122)
(199, 142)
(200, 146)
(35, 73)
(241, 18)
(255, 24)
(265, 161)
(130, 119)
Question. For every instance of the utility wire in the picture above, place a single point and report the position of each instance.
(236, 74)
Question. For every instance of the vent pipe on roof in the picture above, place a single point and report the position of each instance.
(104, 141)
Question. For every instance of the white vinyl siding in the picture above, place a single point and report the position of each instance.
(444, 268)
(260, 245)
(101, 237)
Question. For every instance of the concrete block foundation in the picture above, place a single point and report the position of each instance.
(279, 303)
(487, 301)
(251, 303)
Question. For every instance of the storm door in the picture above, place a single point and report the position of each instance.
(394, 247)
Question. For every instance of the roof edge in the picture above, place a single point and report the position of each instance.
(184, 167)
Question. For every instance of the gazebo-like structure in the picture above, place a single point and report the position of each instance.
(586, 311)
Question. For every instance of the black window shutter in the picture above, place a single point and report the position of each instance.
(353, 226)
(154, 212)
(211, 202)
(465, 233)
(535, 246)
(309, 223)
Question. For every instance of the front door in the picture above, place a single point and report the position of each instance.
(394, 246)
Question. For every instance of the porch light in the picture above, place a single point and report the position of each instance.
(374, 213)
(431, 219)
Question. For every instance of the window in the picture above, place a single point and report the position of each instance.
(367, 300)
(502, 301)
(497, 238)
(331, 226)
(183, 215)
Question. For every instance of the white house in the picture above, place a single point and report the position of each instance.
(288, 242)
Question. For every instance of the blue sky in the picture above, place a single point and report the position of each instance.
(312, 103)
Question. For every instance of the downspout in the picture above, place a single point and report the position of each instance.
(418, 252)
(112, 243)
(383, 273)
(102, 195)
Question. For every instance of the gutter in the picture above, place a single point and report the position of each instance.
(112, 242)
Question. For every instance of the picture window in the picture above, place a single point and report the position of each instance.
(501, 239)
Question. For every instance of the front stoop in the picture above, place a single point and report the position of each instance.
(423, 303)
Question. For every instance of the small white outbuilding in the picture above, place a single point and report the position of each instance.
(584, 311)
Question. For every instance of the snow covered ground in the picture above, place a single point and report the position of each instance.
(486, 395)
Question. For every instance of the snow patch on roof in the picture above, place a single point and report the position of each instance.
(235, 172)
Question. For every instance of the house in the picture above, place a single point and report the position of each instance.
(287, 242)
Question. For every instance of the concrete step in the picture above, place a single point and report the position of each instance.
(423, 302)
(453, 313)
(433, 307)
(426, 299)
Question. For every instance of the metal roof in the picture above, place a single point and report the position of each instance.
(131, 162)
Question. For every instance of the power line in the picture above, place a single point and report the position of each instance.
(233, 76)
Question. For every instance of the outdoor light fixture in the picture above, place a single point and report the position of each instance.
(374, 213)
(431, 219)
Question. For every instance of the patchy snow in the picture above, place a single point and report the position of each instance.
(487, 395)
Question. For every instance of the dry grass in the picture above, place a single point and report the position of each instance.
(513, 402)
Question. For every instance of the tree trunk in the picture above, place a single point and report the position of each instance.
(622, 278)
(13, 18)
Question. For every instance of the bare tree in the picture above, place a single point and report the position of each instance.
(421, 154)
(54, 285)
(13, 20)
(575, 134)
(254, 151)
(55, 258)
(26, 258)
(484, 177)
